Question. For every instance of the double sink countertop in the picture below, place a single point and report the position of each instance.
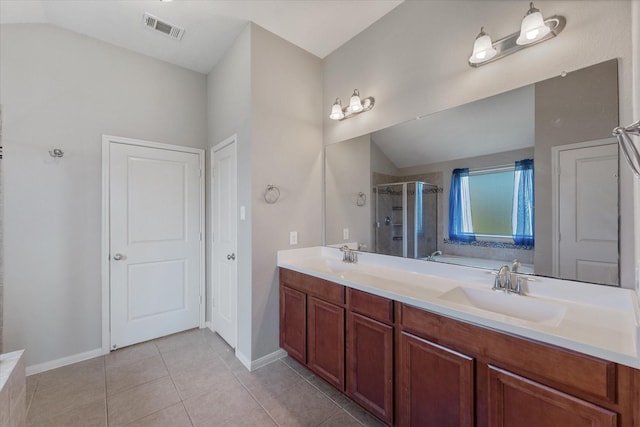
(597, 320)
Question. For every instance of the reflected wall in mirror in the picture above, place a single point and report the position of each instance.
(563, 125)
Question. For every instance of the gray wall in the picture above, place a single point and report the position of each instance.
(229, 113)
(268, 92)
(411, 72)
(286, 150)
(61, 89)
(347, 173)
(562, 104)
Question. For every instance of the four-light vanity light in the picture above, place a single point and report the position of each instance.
(355, 107)
(534, 29)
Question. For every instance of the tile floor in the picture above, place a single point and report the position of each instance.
(187, 379)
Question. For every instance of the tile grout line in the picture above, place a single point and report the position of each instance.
(106, 405)
(254, 397)
(35, 389)
(323, 393)
(174, 386)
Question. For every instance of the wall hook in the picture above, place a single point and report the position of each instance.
(362, 199)
(56, 152)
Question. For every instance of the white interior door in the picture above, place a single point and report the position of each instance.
(225, 271)
(588, 214)
(155, 247)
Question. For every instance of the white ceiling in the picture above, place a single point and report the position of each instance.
(492, 125)
(318, 26)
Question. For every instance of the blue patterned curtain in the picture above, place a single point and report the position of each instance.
(523, 216)
(460, 223)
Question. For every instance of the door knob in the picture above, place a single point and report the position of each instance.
(231, 257)
(118, 257)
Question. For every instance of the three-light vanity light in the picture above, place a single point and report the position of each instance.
(534, 29)
(355, 107)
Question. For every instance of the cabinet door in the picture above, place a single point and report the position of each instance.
(326, 341)
(515, 401)
(370, 365)
(293, 323)
(436, 385)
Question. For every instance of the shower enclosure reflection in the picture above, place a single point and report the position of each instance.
(406, 219)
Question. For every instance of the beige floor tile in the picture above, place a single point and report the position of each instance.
(198, 380)
(198, 354)
(270, 380)
(180, 340)
(140, 401)
(216, 343)
(233, 363)
(130, 375)
(131, 354)
(296, 366)
(71, 375)
(363, 416)
(173, 416)
(341, 419)
(339, 398)
(48, 403)
(92, 414)
(32, 384)
(221, 405)
(253, 418)
(301, 405)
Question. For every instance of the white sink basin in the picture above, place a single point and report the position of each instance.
(515, 306)
(329, 265)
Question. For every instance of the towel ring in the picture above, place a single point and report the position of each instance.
(271, 194)
(362, 199)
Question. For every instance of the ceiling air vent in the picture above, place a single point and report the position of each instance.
(156, 24)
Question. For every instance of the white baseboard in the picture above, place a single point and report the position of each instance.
(243, 359)
(259, 363)
(265, 360)
(209, 325)
(64, 361)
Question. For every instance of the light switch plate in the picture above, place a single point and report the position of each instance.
(345, 233)
(293, 237)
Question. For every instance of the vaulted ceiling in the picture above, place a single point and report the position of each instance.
(318, 26)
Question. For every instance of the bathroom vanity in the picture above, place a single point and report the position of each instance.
(416, 347)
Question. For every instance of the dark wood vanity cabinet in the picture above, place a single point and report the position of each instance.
(312, 324)
(516, 401)
(436, 384)
(370, 353)
(293, 323)
(411, 367)
(325, 343)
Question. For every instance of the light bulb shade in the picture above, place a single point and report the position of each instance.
(533, 27)
(482, 49)
(336, 111)
(355, 104)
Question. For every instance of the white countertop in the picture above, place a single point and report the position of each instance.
(597, 320)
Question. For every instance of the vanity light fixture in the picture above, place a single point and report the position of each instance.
(356, 106)
(534, 29)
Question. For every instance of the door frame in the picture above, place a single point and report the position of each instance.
(107, 140)
(555, 194)
(233, 139)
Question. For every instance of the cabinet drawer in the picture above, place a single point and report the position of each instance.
(566, 370)
(323, 289)
(373, 306)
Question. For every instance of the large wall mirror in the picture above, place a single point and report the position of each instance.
(527, 178)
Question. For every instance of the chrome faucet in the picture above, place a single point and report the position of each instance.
(502, 281)
(505, 277)
(349, 255)
(515, 265)
(433, 255)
